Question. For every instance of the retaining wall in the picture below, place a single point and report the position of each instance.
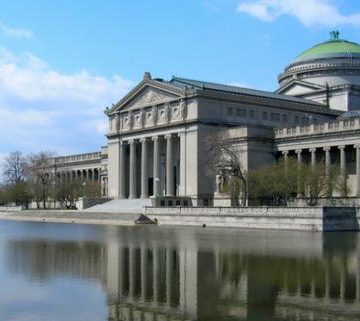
(283, 218)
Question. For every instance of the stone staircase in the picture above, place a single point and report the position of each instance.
(121, 206)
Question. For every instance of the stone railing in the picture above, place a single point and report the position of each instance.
(314, 129)
(96, 156)
(147, 117)
(11, 208)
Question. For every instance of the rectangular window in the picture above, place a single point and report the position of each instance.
(297, 120)
(284, 118)
(252, 113)
(230, 111)
(265, 115)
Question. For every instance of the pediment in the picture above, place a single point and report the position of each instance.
(148, 93)
(296, 88)
(148, 96)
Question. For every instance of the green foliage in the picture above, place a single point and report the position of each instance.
(277, 183)
(274, 184)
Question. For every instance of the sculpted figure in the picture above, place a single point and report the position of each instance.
(154, 114)
(182, 109)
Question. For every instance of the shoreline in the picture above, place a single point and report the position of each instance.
(70, 217)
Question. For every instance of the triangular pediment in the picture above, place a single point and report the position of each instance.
(297, 88)
(147, 93)
(148, 96)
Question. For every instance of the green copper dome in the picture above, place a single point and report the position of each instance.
(334, 48)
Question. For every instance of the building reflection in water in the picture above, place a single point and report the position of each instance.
(166, 274)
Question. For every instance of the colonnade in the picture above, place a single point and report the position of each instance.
(164, 150)
(92, 174)
(327, 152)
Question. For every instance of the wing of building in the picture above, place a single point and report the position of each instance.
(157, 132)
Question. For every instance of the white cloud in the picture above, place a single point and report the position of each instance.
(15, 32)
(308, 12)
(44, 109)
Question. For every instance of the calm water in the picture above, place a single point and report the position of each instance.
(77, 272)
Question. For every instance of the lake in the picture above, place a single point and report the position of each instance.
(53, 272)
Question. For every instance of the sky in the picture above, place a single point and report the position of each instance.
(63, 62)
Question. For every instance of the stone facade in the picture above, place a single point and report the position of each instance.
(157, 131)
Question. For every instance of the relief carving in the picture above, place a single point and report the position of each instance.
(149, 96)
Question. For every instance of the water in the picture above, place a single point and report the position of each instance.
(53, 272)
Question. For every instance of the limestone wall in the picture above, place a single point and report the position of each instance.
(284, 218)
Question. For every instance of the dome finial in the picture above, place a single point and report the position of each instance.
(334, 35)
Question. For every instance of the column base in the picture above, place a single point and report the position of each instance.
(132, 197)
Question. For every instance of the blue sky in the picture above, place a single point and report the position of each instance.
(63, 62)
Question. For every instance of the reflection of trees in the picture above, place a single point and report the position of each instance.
(44, 259)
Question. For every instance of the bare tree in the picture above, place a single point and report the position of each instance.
(15, 168)
(42, 172)
(225, 155)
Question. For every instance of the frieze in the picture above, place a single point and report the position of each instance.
(151, 116)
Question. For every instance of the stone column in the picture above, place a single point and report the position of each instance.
(343, 169)
(285, 154)
(299, 160)
(327, 170)
(169, 166)
(132, 180)
(313, 157)
(144, 168)
(156, 170)
(357, 184)
(182, 188)
(122, 179)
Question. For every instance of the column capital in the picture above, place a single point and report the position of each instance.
(168, 136)
(132, 141)
(326, 148)
(285, 152)
(155, 138)
(298, 151)
(341, 147)
(357, 146)
(143, 140)
(312, 150)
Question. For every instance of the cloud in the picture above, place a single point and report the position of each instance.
(308, 12)
(15, 32)
(44, 109)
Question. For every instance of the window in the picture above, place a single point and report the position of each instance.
(284, 118)
(297, 120)
(240, 112)
(275, 117)
(230, 111)
(252, 113)
(265, 115)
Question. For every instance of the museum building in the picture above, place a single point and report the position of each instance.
(156, 139)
